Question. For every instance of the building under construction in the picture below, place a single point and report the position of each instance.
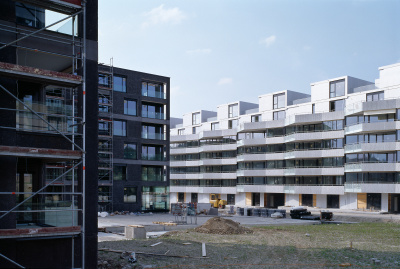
(48, 133)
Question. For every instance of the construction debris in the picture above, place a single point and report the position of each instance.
(152, 254)
(218, 225)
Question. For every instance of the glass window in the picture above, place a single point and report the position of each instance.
(255, 118)
(155, 198)
(152, 153)
(230, 199)
(119, 84)
(232, 124)
(119, 172)
(153, 90)
(153, 111)
(195, 130)
(130, 107)
(130, 151)
(337, 88)
(337, 105)
(215, 126)
(105, 80)
(119, 128)
(313, 109)
(196, 118)
(375, 96)
(153, 173)
(233, 110)
(30, 15)
(279, 100)
(181, 131)
(279, 115)
(130, 194)
(153, 132)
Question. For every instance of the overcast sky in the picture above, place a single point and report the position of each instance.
(220, 51)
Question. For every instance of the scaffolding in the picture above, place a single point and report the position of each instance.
(105, 96)
(58, 207)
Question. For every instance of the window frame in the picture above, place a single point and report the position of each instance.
(126, 106)
(123, 125)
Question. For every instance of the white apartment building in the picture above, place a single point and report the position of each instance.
(336, 148)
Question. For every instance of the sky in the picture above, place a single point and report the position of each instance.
(222, 51)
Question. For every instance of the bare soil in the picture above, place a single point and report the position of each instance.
(304, 246)
(218, 225)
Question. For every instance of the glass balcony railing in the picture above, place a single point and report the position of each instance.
(155, 94)
(153, 157)
(146, 177)
(153, 115)
(156, 136)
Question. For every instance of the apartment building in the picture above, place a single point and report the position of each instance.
(133, 140)
(336, 148)
(48, 134)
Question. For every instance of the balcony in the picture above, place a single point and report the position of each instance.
(371, 167)
(314, 171)
(153, 115)
(154, 94)
(155, 136)
(153, 157)
(372, 147)
(146, 177)
(372, 187)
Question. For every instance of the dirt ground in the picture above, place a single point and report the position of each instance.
(289, 246)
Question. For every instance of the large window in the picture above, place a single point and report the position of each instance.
(30, 15)
(230, 199)
(196, 118)
(130, 194)
(153, 90)
(337, 105)
(153, 173)
(153, 132)
(153, 111)
(130, 151)
(279, 100)
(155, 198)
(233, 110)
(375, 96)
(152, 153)
(130, 107)
(337, 88)
(232, 124)
(279, 115)
(119, 84)
(255, 118)
(215, 126)
(105, 80)
(119, 172)
(119, 128)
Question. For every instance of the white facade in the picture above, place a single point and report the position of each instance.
(336, 148)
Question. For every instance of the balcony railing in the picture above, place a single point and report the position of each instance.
(155, 94)
(146, 135)
(153, 115)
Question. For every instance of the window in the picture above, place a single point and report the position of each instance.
(120, 128)
(130, 151)
(104, 105)
(313, 109)
(195, 130)
(337, 88)
(279, 115)
(104, 128)
(181, 131)
(119, 84)
(130, 107)
(130, 194)
(119, 172)
(215, 126)
(233, 110)
(153, 132)
(232, 124)
(255, 118)
(375, 96)
(153, 111)
(153, 90)
(337, 105)
(230, 199)
(105, 80)
(279, 100)
(30, 15)
(152, 153)
(196, 118)
(155, 198)
(153, 173)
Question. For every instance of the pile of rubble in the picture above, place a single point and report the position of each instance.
(218, 225)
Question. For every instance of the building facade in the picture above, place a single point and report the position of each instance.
(48, 134)
(133, 140)
(336, 148)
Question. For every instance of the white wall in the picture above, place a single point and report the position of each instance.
(266, 102)
(173, 197)
(292, 200)
(204, 198)
(320, 91)
(389, 75)
(348, 201)
(240, 199)
(222, 111)
(321, 200)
